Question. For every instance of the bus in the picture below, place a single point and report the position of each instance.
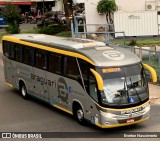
(103, 84)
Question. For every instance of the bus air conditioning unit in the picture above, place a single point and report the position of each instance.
(150, 6)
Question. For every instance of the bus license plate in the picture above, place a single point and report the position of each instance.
(130, 120)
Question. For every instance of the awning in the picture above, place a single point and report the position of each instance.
(17, 3)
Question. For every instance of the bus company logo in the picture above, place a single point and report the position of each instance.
(113, 55)
(62, 89)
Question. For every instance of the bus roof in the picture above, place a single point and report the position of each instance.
(101, 54)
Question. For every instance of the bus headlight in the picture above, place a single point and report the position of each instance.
(108, 115)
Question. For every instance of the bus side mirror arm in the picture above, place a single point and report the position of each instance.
(152, 71)
(98, 79)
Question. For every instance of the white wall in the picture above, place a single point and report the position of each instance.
(136, 23)
(92, 16)
(58, 6)
(132, 5)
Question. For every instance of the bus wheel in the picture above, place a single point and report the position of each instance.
(79, 115)
(24, 91)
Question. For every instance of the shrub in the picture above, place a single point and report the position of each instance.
(13, 29)
(52, 29)
(11, 14)
(133, 42)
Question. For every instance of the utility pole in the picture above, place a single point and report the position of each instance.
(43, 8)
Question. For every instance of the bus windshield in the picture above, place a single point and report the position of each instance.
(124, 85)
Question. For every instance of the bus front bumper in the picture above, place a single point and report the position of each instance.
(109, 120)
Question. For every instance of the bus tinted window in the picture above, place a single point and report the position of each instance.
(71, 68)
(41, 59)
(6, 48)
(28, 54)
(12, 51)
(55, 63)
(93, 87)
(18, 52)
(84, 67)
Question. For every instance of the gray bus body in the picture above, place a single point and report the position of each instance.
(68, 83)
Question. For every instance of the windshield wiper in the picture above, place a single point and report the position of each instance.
(124, 90)
(135, 89)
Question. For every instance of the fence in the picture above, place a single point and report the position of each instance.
(100, 32)
(148, 56)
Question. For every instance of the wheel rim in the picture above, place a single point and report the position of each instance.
(80, 114)
(23, 90)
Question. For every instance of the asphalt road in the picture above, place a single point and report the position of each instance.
(23, 26)
(19, 115)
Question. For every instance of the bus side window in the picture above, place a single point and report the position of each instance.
(6, 48)
(41, 59)
(18, 52)
(93, 88)
(84, 67)
(55, 63)
(71, 68)
(12, 51)
(28, 54)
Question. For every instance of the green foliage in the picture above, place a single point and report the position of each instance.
(13, 29)
(11, 14)
(106, 6)
(52, 29)
(133, 42)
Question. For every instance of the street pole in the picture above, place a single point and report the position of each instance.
(43, 7)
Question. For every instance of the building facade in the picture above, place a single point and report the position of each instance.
(33, 5)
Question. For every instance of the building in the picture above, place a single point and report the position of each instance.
(33, 5)
(24, 5)
(124, 8)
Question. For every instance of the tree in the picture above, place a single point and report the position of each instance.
(11, 14)
(107, 7)
(68, 9)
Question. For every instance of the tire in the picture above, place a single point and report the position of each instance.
(79, 115)
(23, 91)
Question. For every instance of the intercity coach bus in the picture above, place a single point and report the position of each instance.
(103, 84)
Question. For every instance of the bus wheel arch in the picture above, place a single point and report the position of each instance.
(23, 89)
(78, 112)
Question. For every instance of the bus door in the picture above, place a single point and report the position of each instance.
(8, 53)
(91, 91)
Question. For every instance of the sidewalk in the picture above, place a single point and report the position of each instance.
(154, 93)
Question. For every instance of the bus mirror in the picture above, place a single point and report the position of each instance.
(98, 79)
(152, 71)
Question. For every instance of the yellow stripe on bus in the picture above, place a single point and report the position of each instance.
(10, 85)
(34, 45)
(98, 78)
(152, 71)
(58, 107)
(126, 109)
(119, 125)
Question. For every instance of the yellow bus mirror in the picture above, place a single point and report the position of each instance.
(98, 79)
(152, 71)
